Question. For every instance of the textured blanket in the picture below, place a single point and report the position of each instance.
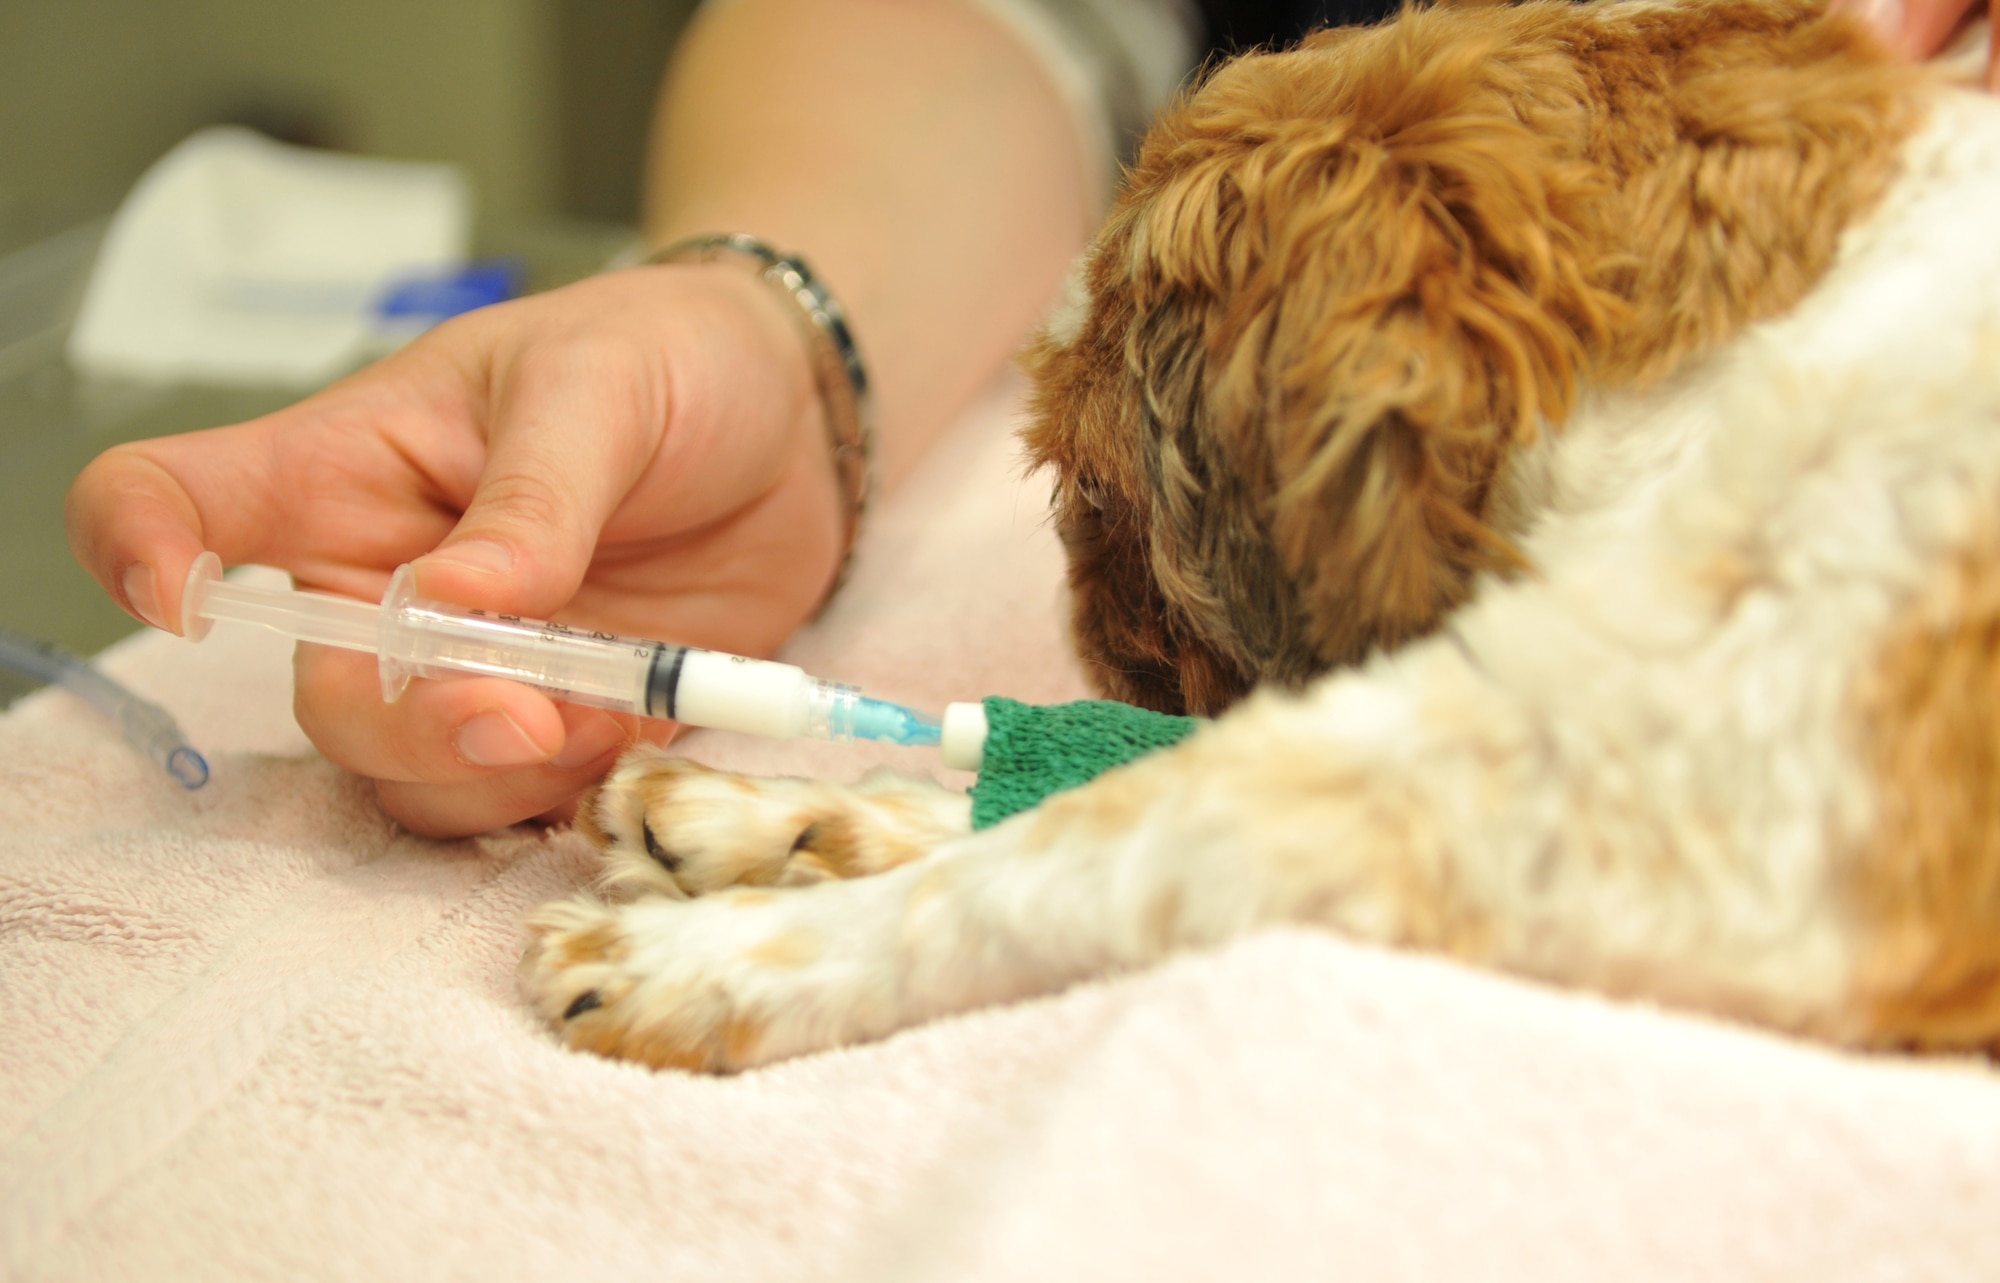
(259, 1032)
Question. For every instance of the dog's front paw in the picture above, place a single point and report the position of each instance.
(720, 984)
(678, 828)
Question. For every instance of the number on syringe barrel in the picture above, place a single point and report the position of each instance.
(583, 667)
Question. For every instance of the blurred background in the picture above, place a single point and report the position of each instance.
(542, 104)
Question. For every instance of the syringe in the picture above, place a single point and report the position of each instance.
(415, 638)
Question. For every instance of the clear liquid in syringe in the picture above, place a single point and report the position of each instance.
(412, 637)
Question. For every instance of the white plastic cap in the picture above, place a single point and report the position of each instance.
(964, 741)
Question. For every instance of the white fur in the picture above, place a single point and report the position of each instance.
(1634, 768)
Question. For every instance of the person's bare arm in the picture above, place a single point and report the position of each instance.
(913, 151)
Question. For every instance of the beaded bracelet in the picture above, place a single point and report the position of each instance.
(841, 378)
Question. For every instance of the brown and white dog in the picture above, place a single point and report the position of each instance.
(1576, 430)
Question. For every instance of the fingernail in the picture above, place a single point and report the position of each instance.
(142, 592)
(589, 741)
(495, 739)
(482, 555)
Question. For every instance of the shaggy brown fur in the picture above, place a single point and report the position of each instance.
(1343, 281)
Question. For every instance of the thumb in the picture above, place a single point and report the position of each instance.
(562, 452)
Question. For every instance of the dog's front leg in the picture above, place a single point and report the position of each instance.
(1414, 803)
(1263, 817)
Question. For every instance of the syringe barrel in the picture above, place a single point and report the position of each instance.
(417, 638)
(654, 679)
(428, 639)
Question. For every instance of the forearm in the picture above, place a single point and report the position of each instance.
(914, 152)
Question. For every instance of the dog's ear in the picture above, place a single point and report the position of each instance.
(1137, 645)
(1341, 284)
(1353, 292)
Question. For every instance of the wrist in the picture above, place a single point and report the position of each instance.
(839, 375)
(743, 458)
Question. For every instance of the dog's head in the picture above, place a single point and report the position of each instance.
(1343, 281)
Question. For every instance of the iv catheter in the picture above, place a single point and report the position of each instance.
(150, 728)
(412, 637)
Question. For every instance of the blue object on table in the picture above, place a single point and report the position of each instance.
(430, 299)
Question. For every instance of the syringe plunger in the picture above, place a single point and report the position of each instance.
(412, 637)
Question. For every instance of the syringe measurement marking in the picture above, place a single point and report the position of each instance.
(559, 643)
(553, 629)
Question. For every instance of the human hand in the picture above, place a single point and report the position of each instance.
(642, 452)
(1922, 28)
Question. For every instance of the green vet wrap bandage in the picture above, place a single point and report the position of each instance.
(1033, 751)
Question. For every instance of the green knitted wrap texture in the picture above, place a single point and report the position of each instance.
(1035, 750)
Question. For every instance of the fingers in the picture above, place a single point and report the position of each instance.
(574, 425)
(315, 488)
(453, 757)
(454, 810)
(440, 732)
(546, 792)
(140, 514)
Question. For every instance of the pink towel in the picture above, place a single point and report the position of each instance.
(258, 1032)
